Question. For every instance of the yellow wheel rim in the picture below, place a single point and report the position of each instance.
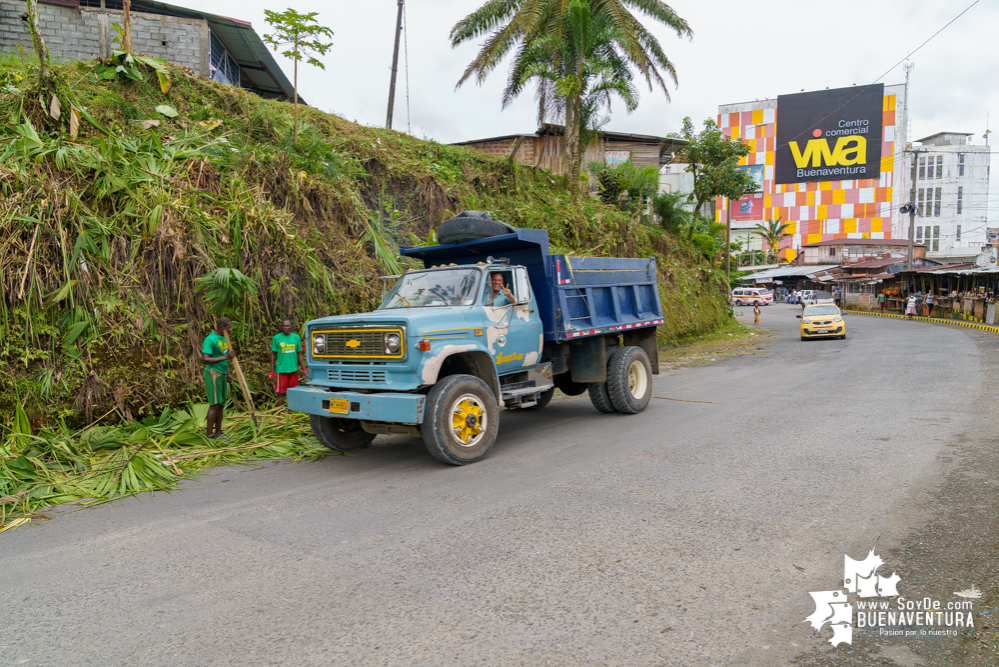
(468, 420)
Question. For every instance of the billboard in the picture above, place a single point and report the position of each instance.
(829, 135)
(750, 207)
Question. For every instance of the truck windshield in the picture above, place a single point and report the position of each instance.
(423, 289)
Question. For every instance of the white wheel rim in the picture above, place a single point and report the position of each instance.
(469, 421)
(638, 379)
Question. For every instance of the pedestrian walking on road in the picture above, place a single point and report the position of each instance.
(215, 354)
(756, 314)
(286, 360)
(910, 306)
(882, 300)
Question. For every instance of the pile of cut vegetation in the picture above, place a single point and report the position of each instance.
(135, 211)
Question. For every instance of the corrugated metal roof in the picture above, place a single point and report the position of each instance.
(884, 242)
(790, 271)
(258, 70)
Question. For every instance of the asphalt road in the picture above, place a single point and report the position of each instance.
(687, 535)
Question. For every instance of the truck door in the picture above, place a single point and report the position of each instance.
(516, 336)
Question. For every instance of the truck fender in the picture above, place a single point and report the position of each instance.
(462, 359)
(645, 339)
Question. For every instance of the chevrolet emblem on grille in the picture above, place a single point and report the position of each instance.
(353, 343)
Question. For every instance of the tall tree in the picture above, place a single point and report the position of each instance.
(126, 26)
(772, 234)
(301, 32)
(44, 72)
(713, 159)
(515, 25)
(576, 73)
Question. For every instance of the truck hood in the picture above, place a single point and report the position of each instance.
(417, 319)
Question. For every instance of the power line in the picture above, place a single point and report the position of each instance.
(927, 41)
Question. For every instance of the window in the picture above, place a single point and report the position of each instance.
(922, 193)
(522, 286)
(939, 169)
(223, 68)
(957, 237)
(919, 234)
(922, 168)
(936, 239)
(936, 204)
(960, 202)
(832, 252)
(960, 164)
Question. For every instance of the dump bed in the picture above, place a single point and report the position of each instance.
(577, 296)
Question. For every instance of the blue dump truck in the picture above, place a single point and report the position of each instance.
(492, 321)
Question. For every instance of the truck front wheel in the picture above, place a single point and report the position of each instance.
(460, 420)
(340, 435)
(629, 380)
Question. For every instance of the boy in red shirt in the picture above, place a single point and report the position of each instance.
(286, 360)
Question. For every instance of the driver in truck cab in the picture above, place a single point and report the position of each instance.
(499, 294)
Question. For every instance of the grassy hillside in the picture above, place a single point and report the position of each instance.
(120, 237)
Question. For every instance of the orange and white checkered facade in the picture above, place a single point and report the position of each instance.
(825, 210)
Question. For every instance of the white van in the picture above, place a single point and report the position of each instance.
(754, 296)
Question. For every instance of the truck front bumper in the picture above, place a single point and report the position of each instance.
(396, 408)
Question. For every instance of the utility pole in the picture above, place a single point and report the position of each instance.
(395, 67)
(728, 233)
(912, 209)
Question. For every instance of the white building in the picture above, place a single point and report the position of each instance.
(952, 193)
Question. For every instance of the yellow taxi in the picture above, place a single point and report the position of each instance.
(822, 320)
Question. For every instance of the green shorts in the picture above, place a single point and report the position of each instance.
(217, 387)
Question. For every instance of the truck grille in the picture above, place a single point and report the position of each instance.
(359, 343)
(356, 376)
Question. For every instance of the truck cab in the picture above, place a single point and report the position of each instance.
(484, 325)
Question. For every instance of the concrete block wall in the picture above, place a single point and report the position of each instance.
(525, 154)
(81, 33)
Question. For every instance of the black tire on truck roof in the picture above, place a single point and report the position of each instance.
(471, 225)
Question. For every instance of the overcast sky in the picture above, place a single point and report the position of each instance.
(741, 51)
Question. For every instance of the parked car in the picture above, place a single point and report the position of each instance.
(812, 297)
(822, 320)
(753, 296)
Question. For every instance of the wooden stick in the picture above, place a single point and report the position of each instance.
(27, 265)
(686, 400)
(242, 384)
(213, 452)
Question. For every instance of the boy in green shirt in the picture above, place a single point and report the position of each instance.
(286, 360)
(215, 354)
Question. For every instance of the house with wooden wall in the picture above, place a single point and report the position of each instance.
(545, 148)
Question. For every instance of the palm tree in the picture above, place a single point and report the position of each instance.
(772, 234)
(518, 24)
(576, 73)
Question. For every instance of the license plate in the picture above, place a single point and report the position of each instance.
(340, 406)
(823, 330)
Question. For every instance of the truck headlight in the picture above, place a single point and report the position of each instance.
(318, 344)
(393, 343)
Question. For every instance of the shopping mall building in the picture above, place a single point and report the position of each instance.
(836, 167)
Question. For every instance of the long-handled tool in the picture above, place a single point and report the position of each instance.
(242, 384)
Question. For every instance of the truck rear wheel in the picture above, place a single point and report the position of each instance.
(460, 420)
(340, 435)
(629, 380)
(599, 397)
